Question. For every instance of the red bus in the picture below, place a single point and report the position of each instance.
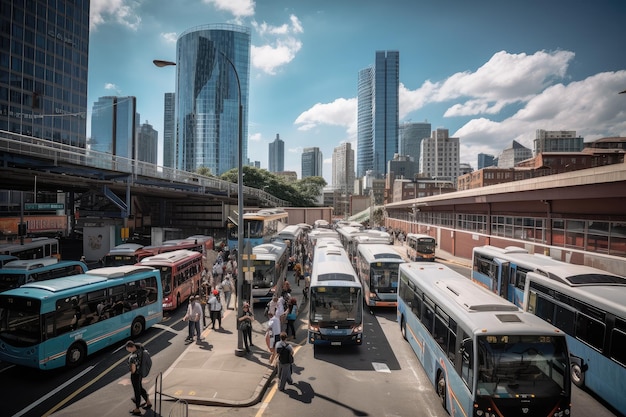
(180, 275)
(170, 246)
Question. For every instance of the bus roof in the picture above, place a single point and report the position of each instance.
(471, 305)
(419, 236)
(379, 252)
(579, 275)
(269, 251)
(333, 262)
(127, 248)
(170, 257)
(30, 263)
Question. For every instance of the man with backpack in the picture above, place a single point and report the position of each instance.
(284, 350)
(137, 352)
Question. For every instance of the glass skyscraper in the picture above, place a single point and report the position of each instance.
(207, 96)
(114, 124)
(277, 155)
(378, 113)
(44, 53)
(312, 162)
(410, 139)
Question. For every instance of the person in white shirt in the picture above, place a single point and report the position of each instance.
(227, 288)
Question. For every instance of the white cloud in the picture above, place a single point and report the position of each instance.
(105, 11)
(239, 8)
(255, 137)
(341, 112)
(170, 37)
(280, 47)
(113, 87)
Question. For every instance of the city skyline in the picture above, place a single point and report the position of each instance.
(488, 74)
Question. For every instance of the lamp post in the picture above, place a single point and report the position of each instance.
(239, 351)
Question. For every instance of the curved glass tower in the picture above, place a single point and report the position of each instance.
(207, 96)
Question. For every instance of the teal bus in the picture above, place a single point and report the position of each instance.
(20, 272)
(483, 355)
(55, 323)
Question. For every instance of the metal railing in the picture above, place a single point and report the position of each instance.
(180, 406)
(62, 153)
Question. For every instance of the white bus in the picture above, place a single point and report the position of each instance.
(377, 267)
(270, 269)
(335, 299)
(588, 305)
(483, 355)
(39, 247)
(420, 247)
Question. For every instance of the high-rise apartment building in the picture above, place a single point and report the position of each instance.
(169, 130)
(44, 60)
(557, 141)
(439, 156)
(312, 162)
(147, 144)
(343, 168)
(208, 94)
(410, 139)
(114, 125)
(277, 155)
(378, 113)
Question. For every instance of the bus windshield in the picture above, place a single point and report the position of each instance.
(514, 365)
(19, 322)
(263, 273)
(384, 276)
(253, 228)
(336, 305)
(426, 246)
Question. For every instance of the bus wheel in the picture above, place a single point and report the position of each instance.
(136, 328)
(578, 376)
(75, 355)
(442, 390)
(403, 327)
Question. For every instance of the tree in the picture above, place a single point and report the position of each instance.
(205, 171)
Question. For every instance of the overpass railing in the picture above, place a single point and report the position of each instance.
(62, 153)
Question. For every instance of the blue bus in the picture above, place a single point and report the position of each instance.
(55, 323)
(20, 272)
(503, 270)
(588, 305)
(335, 299)
(483, 355)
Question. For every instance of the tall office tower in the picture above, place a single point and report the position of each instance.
(343, 168)
(277, 155)
(557, 141)
(312, 162)
(439, 156)
(410, 139)
(378, 115)
(365, 122)
(209, 91)
(113, 126)
(513, 155)
(169, 130)
(485, 160)
(44, 58)
(147, 144)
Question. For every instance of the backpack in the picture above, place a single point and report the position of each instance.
(284, 355)
(145, 362)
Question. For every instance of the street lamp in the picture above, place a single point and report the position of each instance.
(239, 351)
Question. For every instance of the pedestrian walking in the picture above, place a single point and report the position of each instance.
(215, 309)
(227, 288)
(284, 350)
(245, 325)
(292, 314)
(134, 362)
(272, 335)
(193, 315)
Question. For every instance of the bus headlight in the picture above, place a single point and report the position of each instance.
(357, 329)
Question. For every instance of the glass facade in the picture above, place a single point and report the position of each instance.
(365, 122)
(410, 140)
(44, 50)
(208, 94)
(169, 131)
(386, 108)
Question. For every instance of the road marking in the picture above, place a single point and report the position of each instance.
(381, 367)
(51, 393)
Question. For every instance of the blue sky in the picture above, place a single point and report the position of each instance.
(490, 71)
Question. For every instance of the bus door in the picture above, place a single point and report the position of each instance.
(500, 282)
(515, 291)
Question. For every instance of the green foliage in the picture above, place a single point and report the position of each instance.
(205, 171)
(302, 193)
